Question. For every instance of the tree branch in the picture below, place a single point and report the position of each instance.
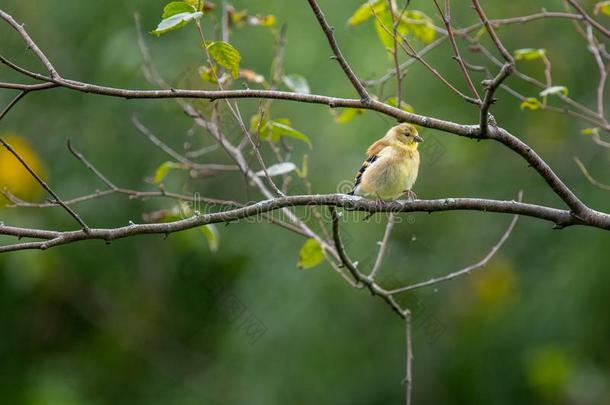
(328, 31)
(560, 218)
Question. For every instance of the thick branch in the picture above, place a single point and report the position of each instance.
(560, 218)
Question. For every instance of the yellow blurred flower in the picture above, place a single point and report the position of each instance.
(13, 176)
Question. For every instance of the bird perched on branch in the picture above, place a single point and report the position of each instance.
(392, 165)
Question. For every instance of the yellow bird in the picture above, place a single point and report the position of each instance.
(392, 165)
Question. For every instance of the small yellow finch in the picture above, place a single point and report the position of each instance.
(392, 165)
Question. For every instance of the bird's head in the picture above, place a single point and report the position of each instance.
(404, 135)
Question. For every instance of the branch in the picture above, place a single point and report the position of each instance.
(383, 245)
(589, 19)
(467, 270)
(446, 17)
(44, 185)
(494, 37)
(328, 31)
(588, 176)
(560, 218)
(30, 43)
(370, 284)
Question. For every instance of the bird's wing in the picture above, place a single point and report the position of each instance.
(369, 161)
(376, 147)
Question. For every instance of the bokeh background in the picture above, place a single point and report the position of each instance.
(153, 321)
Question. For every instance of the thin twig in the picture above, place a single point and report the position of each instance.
(588, 176)
(589, 19)
(383, 245)
(328, 31)
(492, 33)
(446, 17)
(467, 270)
(44, 185)
(409, 358)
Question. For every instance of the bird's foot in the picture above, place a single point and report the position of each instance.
(410, 194)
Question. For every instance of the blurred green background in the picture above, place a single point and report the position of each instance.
(153, 321)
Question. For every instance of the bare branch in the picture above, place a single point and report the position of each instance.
(446, 17)
(467, 270)
(383, 245)
(409, 358)
(328, 31)
(590, 20)
(588, 176)
(30, 43)
(44, 185)
(494, 37)
(370, 284)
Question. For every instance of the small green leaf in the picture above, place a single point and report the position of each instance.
(311, 254)
(418, 24)
(296, 83)
(198, 4)
(262, 20)
(531, 103)
(383, 28)
(303, 171)
(602, 7)
(164, 169)
(403, 106)
(348, 114)
(211, 235)
(365, 11)
(553, 90)
(256, 125)
(177, 7)
(529, 54)
(176, 15)
(207, 74)
(278, 169)
(279, 129)
(590, 131)
(226, 55)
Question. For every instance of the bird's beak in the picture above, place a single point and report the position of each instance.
(418, 138)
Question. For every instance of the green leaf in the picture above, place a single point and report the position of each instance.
(211, 235)
(226, 55)
(279, 129)
(262, 20)
(416, 23)
(365, 11)
(164, 169)
(403, 106)
(177, 7)
(412, 22)
(176, 15)
(590, 131)
(278, 169)
(529, 54)
(348, 114)
(383, 27)
(296, 83)
(207, 74)
(602, 7)
(198, 4)
(531, 103)
(256, 125)
(554, 90)
(311, 254)
(303, 171)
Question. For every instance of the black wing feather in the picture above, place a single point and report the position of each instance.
(363, 168)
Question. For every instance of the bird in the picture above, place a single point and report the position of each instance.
(392, 165)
